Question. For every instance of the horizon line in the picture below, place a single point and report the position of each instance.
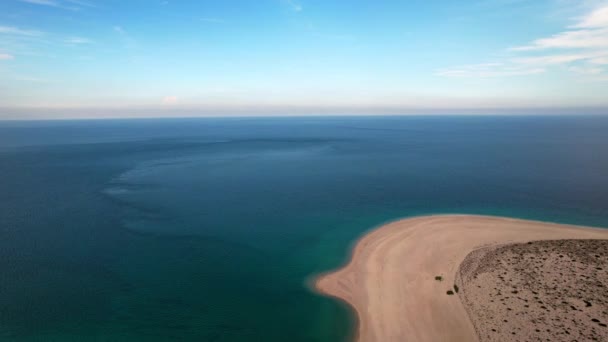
(119, 114)
(98, 113)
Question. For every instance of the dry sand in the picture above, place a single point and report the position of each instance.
(390, 280)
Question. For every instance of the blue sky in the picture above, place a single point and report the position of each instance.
(163, 57)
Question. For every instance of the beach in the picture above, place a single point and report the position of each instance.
(406, 283)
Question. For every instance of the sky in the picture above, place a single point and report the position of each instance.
(117, 58)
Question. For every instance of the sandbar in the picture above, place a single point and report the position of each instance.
(399, 275)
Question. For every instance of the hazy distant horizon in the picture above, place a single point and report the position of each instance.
(11, 114)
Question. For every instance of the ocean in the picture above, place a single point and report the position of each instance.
(211, 229)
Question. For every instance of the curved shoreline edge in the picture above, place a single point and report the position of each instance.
(389, 281)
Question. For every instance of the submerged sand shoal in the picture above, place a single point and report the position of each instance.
(390, 280)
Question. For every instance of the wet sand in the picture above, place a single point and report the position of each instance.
(399, 275)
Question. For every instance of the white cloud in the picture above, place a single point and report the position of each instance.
(18, 32)
(294, 5)
(78, 40)
(582, 64)
(581, 48)
(590, 32)
(73, 5)
(125, 38)
(169, 100)
(600, 60)
(42, 2)
(581, 39)
(586, 70)
(490, 70)
(6, 56)
(597, 18)
(552, 59)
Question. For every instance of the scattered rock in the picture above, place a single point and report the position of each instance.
(552, 289)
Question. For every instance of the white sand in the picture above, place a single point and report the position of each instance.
(390, 280)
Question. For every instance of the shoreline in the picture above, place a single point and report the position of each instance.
(389, 279)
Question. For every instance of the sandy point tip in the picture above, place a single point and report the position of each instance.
(399, 275)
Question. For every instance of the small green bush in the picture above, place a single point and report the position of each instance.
(450, 292)
(438, 278)
(456, 288)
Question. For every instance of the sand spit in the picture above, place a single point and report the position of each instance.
(400, 274)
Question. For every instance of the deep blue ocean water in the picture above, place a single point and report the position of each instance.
(209, 229)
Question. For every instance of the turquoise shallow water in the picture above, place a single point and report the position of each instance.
(208, 229)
